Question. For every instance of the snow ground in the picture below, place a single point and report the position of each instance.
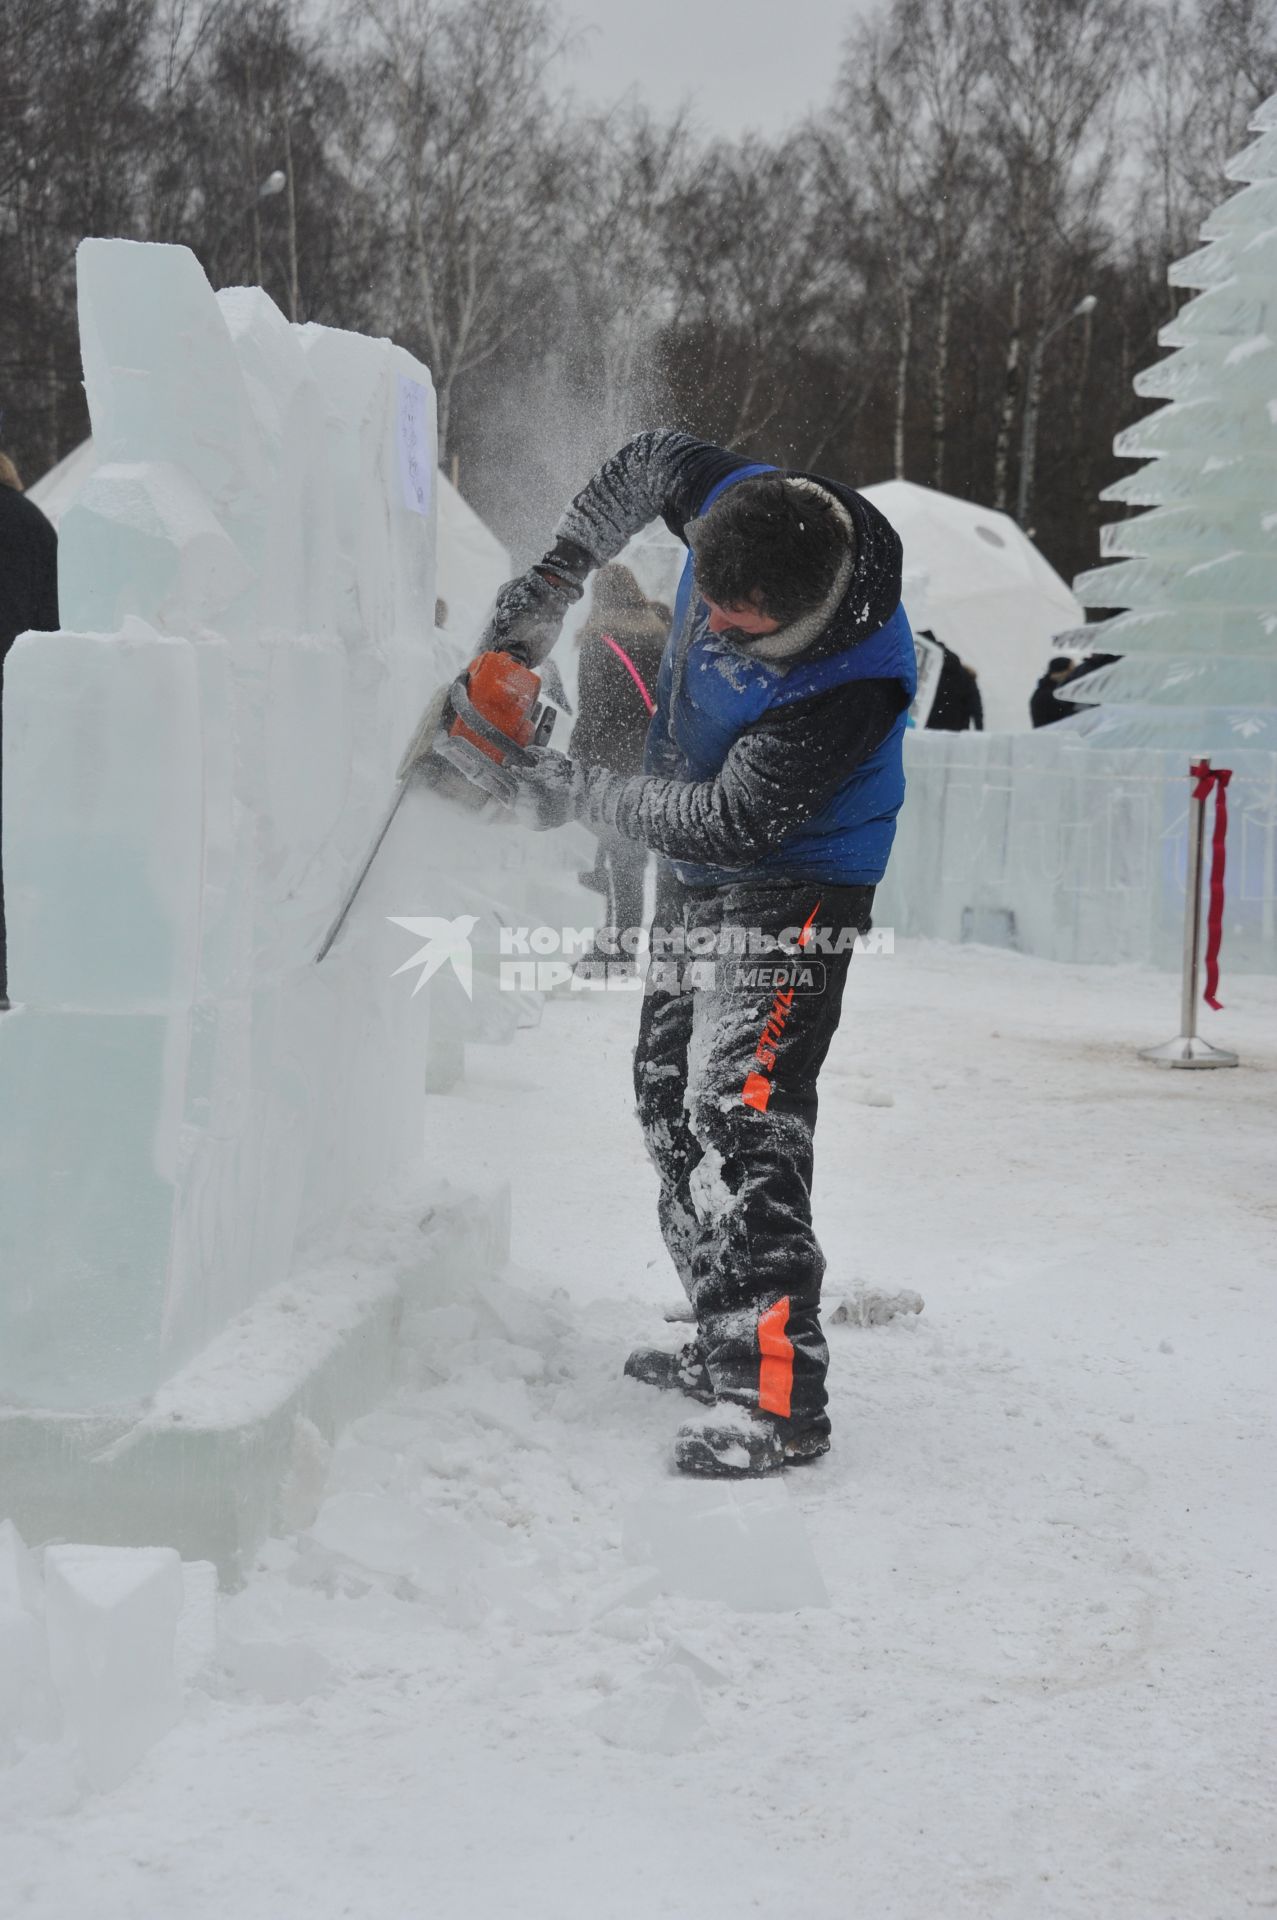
(1042, 1686)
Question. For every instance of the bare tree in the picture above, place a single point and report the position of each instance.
(1056, 67)
(257, 102)
(1208, 67)
(912, 100)
(877, 113)
(872, 292)
(628, 170)
(468, 171)
(74, 78)
(752, 276)
(948, 60)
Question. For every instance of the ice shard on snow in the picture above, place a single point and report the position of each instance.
(112, 1619)
(1195, 574)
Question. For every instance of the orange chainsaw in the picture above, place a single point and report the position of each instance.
(470, 737)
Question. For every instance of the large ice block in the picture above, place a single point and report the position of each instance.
(193, 771)
(28, 1709)
(86, 1212)
(103, 771)
(145, 542)
(28, 1706)
(112, 1622)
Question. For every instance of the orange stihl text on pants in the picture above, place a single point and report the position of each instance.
(757, 1090)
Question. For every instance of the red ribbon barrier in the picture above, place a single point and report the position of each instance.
(1218, 778)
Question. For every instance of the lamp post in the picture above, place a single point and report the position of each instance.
(1033, 400)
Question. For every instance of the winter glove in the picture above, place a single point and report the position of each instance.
(530, 609)
(544, 790)
(548, 789)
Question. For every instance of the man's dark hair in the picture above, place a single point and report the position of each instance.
(769, 543)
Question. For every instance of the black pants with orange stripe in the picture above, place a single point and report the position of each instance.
(743, 999)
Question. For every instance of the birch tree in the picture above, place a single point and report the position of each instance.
(1055, 67)
(468, 169)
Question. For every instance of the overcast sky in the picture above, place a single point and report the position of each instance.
(745, 63)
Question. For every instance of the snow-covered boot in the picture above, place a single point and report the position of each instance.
(737, 1442)
(681, 1372)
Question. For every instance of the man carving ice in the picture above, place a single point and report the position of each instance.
(773, 777)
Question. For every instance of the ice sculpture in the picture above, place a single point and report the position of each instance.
(192, 769)
(1197, 573)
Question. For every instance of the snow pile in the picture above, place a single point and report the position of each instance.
(1041, 1684)
(193, 769)
(1197, 573)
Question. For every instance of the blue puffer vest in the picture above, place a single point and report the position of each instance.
(709, 693)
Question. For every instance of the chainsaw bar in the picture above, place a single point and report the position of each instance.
(467, 750)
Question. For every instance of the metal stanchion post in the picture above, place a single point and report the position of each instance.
(1188, 1050)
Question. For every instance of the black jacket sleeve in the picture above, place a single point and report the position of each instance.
(658, 475)
(777, 775)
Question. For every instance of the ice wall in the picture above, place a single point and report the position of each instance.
(1071, 851)
(1197, 573)
(192, 770)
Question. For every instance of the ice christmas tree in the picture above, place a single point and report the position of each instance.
(1197, 573)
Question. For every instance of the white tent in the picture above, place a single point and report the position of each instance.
(989, 594)
(656, 557)
(472, 563)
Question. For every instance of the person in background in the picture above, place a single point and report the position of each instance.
(621, 646)
(28, 601)
(957, 707)
(1045, 703)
